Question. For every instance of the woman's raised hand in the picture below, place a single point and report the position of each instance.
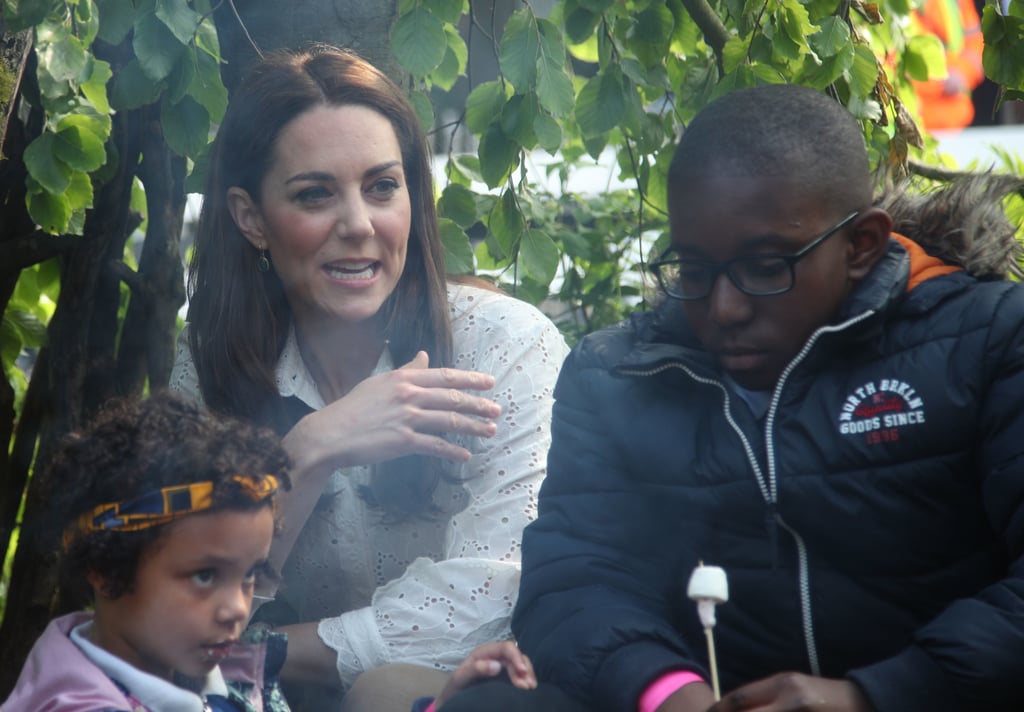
(404, 412)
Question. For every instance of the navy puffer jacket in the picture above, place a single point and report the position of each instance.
(871, 524)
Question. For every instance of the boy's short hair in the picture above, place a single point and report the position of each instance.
(784, 131)
(134, 447)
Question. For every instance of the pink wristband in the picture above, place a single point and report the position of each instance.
(664, 687)
(430, 708)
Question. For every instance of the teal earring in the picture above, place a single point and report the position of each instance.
(262, 262)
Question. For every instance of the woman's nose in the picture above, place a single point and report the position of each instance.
(354, 219)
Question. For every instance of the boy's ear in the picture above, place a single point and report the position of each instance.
(868, 241)
(247, 216)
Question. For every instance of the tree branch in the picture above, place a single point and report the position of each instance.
(715, 33)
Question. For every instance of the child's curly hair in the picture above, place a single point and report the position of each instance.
(138, 446)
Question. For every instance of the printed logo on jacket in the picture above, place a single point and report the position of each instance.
(880, 410)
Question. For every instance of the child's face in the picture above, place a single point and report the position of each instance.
(191, 596)
(719, 218)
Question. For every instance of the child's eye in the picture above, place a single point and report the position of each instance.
(204, 577)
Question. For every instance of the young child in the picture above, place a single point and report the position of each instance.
(167, 519)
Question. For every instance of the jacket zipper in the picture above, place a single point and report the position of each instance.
(769, 485)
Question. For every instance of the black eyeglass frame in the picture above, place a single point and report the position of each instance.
(716, 268)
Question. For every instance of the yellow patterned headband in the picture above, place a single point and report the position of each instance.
(163, 505)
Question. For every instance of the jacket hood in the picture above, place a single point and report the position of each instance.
(963, 223)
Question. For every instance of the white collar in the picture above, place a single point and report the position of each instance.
(294, 379)
(156, 694)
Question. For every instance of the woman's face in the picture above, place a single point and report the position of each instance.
(334, 213)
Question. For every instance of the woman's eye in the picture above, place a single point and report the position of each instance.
(204, 577)
(384, 186)
(312, 194)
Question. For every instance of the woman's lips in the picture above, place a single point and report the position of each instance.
(352, 271)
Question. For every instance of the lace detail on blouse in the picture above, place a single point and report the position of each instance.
(427, 591)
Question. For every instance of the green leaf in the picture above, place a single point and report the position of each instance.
(79, 148)
(116, 19)
(863, 75)
(484, 103)
(156, 47)
(1002, 59)
(820, 73)
(601, 104)
(832, 37)
(580, 26)
(458, 204)
(97, 124)
(447, 10)
(418, 42)
(95, 88)
(517, 120)
(23, 14)
(132, 88)
(61, 53)
(734, 53)
(598, 6)
(52, 174)
(79, 192)
(196, 179)
(458, 253)
(652, 34)
(207, 87)
(180, 19)
(49, 211)
(505, 222)
(548, 132)
(554, 88)
(520, 48)
(498, 156)
(423, 108)
(538, 256)
(454, 63)
(925, 58)
(86, 21)
(186, 125)
(179, 81)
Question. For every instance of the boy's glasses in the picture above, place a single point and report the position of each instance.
(689, 278)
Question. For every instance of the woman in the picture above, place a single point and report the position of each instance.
(319, 306)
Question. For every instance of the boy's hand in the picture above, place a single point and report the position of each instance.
(793, 692)
(487, 661)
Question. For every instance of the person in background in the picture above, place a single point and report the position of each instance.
(415, 406)
(826, 405)
(946, 104)
(167, 516)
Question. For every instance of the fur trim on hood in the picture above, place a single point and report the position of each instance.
(962, 223)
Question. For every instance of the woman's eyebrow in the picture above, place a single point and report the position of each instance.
(316, 176)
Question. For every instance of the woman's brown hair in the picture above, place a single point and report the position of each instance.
(239, 316)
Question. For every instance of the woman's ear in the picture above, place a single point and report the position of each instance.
(247, 216)
(868, 241)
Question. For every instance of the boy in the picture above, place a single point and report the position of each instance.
(819, 407)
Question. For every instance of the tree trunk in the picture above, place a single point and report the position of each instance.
(260, 26)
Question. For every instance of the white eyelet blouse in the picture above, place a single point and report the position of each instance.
(427, 591)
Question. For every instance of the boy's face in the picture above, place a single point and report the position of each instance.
(722, 217)
(191, 596)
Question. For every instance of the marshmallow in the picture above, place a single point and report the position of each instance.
(708, 583)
